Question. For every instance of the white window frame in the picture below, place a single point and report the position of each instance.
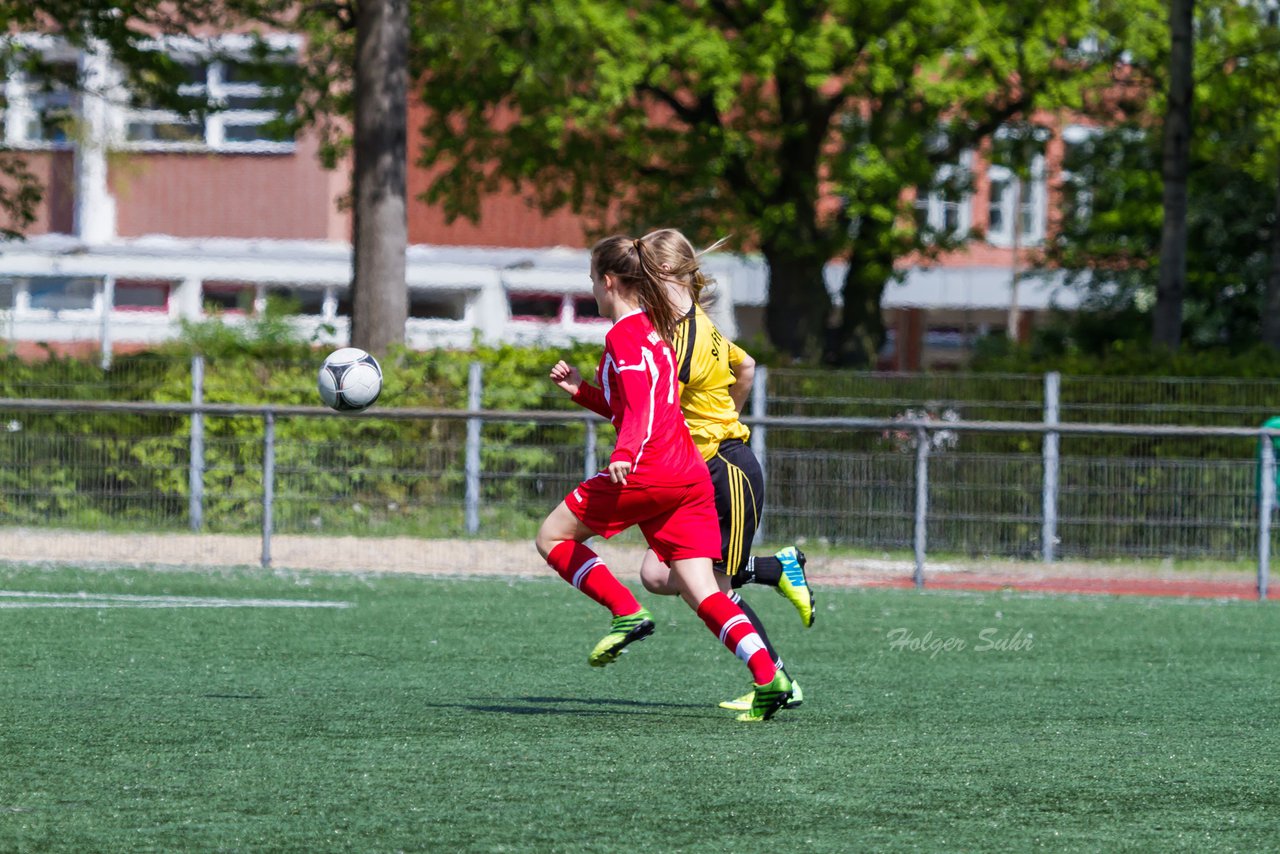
(1074, 135)
(212, 134)
(1033, 204)
(22, 101)
(935, 207)
(23, 98)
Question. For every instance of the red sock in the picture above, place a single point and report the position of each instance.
(584, 569)
(735, 631)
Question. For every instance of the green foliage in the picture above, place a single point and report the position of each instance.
(339, 473)
(1109, 240)
(746, 119)
(1051, 352)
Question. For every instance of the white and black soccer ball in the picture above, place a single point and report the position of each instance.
(350, 380)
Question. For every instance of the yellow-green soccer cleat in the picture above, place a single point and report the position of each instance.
(794, 585)
(767, 699)
(743, 703)
(622, 631)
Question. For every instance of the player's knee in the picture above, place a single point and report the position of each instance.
(546, 540)
(656, 578)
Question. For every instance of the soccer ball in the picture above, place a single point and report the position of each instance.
(350, 380)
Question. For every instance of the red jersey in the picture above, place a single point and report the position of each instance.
(639, 391)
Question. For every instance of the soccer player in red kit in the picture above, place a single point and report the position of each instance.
(655, 479)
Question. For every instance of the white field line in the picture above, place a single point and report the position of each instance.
(25, 599)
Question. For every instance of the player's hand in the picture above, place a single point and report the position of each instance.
(566, 376)
(619, 470)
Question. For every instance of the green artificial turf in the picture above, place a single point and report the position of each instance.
(460, 715)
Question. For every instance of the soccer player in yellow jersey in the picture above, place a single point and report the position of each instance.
(715, 378)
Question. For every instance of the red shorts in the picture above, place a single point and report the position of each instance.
(678, 522)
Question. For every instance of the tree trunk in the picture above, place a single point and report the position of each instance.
(1167, 320)
(1271, 299)
(799, 305)
(856, 342)
(380, 301)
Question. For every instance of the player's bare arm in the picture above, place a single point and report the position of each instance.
(745, 374)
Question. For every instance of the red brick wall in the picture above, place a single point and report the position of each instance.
(55, 171)
(505, 219)
(205, 194)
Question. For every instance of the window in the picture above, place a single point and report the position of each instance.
(436, 305)
(59, 294)
(585, 308)
(6, 294)
(1028, 197)
(40, 102)
(1017, 205)
(943, 206)
(540, 307)
(141, 295)
(228, 297)
(149, 123)
(239, 121)
(294, 299)
(1077, 150)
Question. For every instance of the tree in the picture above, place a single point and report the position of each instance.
(799, 127)
(1113, 219)
(380, 304)
(1167, 316)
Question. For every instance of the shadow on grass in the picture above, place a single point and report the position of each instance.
(566, 706)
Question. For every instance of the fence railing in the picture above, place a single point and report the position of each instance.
(877, 482)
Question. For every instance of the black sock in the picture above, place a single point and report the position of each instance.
(764, 570)
(758, 626)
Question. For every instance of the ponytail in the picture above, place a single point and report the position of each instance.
(631, 262)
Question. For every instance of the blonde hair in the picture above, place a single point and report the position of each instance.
(678, 261)
(630, 262)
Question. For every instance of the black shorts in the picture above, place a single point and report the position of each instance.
(739, 485)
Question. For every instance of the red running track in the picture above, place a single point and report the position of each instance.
(1199, 588)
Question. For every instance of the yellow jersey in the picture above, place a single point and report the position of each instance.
(707, 361)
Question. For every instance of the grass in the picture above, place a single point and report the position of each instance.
(460, 715)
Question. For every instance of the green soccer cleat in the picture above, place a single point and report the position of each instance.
(794, 585)
(767, 699)
(743, 703)
(623, 631)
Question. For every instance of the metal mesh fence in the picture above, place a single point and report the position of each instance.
(374, 491)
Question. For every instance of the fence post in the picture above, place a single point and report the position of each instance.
(759, 404)
(108, 301)
(589, 451)
(922, 503)
(195, 475)
(1049, 532)
(1266, 505)
(268, 481)
(474, 389)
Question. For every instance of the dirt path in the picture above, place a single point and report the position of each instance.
(504, 558)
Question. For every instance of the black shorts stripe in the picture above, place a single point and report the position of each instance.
(739, 487)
